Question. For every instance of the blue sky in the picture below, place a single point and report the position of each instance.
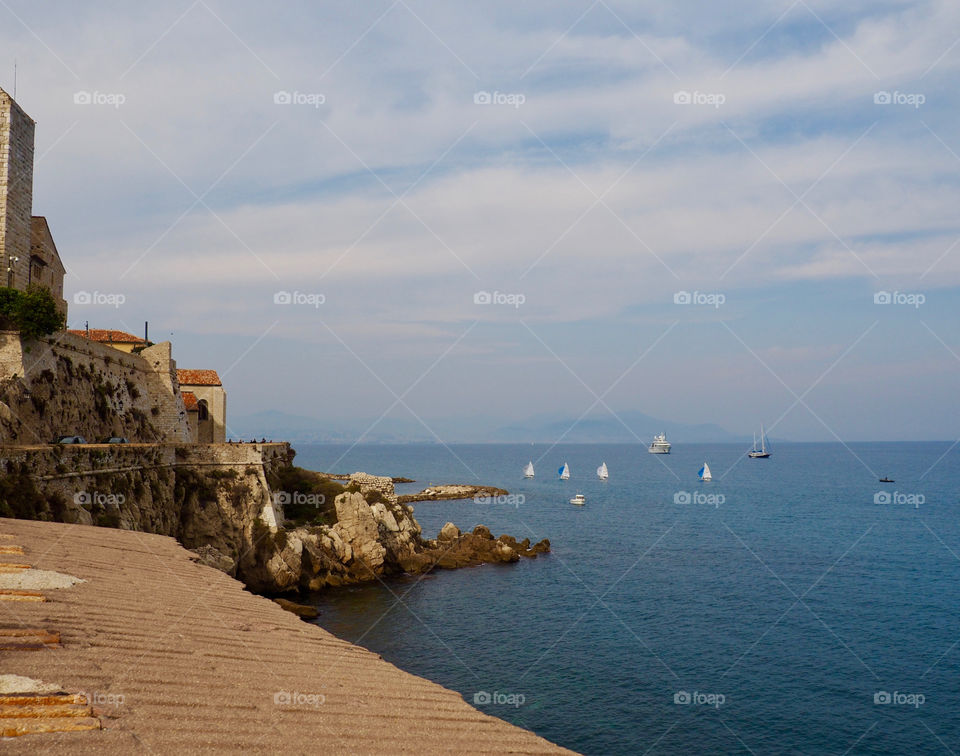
(587, 186)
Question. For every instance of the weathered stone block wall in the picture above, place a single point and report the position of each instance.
(16, 189)
(213, 496)
(68, 385)
(163, 388)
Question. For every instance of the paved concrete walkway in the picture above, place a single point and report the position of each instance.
(176, 657)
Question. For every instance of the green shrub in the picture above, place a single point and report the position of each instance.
(32, 312)
(295, 480)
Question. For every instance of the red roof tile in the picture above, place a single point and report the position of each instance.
(198, 378)
(108, 336)
(190, 401)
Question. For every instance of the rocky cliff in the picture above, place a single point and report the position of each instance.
(244, 509)
(373, 535)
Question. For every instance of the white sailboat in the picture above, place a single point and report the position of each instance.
(564, 472)
(704, 473)
(762, 452)
(602, 472)
(528, 470)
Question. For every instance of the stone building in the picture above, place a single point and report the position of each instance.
(27, 251)
(211, 399)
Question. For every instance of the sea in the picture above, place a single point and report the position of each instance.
(793, 605)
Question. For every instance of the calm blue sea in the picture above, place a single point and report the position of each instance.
(787, 601)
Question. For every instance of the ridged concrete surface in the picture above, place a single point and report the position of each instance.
(199, 662)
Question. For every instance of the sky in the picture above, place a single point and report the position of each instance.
(711, 213)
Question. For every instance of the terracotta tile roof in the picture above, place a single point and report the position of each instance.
(206, 667)
(198, 378)
(190, 401)
(107, 335)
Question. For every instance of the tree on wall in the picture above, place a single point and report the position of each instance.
(32, 312)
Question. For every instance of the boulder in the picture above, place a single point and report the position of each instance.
(301, 610)
(449, 532)
(213, 557)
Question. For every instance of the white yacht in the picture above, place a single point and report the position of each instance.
(660, 444)
(579, 500)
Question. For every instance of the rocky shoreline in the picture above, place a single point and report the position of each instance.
(372, 533)
(248, 511)
(453, 492)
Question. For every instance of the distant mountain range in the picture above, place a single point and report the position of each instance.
(626, 427)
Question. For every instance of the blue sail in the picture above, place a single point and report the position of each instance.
(700, 472)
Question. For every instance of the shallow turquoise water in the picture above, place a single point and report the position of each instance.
(784, 608)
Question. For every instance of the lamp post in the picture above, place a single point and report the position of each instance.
(11, 261)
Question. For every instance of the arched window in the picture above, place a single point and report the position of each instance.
(203, 411)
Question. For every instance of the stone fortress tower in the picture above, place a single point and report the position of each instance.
(28, 254)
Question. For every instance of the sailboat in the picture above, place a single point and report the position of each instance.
(704, 473)
(602, 472)
(528, 470)
(564, 471)
(762, 452)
